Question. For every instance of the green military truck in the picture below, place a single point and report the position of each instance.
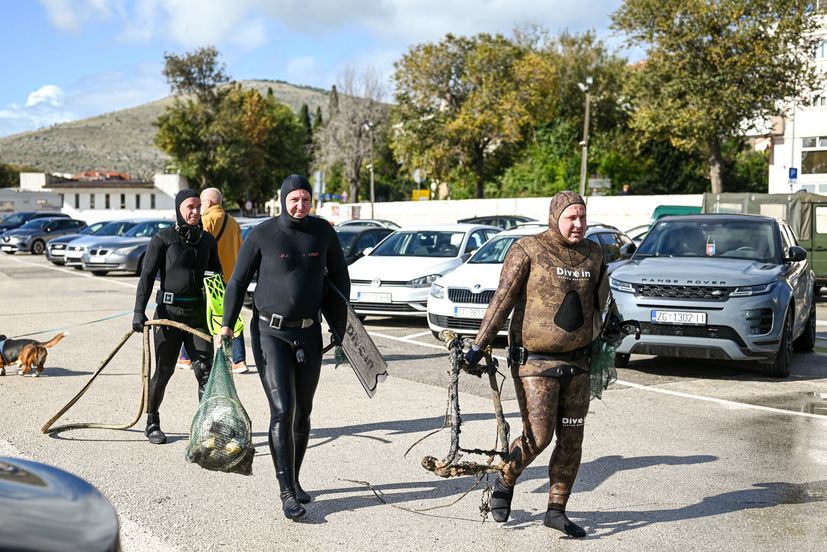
(805, 212)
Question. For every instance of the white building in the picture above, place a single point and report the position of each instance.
(799, 141)
(96, 200)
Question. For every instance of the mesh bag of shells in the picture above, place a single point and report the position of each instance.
(221, 434)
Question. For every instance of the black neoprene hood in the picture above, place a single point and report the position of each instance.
(291, 184)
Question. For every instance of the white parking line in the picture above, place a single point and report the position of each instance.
(722, 402)
(420, 334)
(74, 272)
(821, 323)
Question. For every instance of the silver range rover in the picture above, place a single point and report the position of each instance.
(726, 287)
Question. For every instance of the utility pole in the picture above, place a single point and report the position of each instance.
(584, 156)
(369, 127)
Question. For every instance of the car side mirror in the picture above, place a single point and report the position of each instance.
(627, 250)
(796, 254)
(366, 251)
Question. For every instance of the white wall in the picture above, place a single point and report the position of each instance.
(622, 211)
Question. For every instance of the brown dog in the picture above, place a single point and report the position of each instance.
(11, 349)
(32, 356)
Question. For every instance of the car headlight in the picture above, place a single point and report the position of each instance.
(424, 281)
(760, 289)
(125, 250)
(437, 291)
(620, 285)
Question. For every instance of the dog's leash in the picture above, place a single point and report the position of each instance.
(145, 371)
(74, 325)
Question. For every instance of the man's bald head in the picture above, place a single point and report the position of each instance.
(210, 197)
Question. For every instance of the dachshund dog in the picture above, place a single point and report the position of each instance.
(11, 349)
(32, 356)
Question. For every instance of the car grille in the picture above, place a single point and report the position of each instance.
(459, 295)
(384, 283)
(460, 323)
(681, 330)
(707, 293)
(386, 307)
(57, 246)
(98, 251)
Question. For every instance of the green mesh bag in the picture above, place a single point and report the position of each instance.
(221, 437)
(602, 364)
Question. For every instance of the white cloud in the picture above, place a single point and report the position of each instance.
(48, 94)
(70, 15)
(250, 35)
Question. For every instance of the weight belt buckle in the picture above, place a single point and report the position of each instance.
(275, 321)
(168, 298)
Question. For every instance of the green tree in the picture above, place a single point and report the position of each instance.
(464, 106)
(10, 174)
(196, 73)
(317, 119)
(714, 67)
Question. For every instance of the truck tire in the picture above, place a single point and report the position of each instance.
(621, 360)
(781, 364)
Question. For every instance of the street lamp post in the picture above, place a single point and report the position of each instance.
(584, 158)
(369, 127)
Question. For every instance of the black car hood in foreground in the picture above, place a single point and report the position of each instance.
(46, 509)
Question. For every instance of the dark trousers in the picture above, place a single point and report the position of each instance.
(549, 406)
(290, 387)
(168, 341)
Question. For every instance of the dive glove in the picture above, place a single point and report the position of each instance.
(138, 322)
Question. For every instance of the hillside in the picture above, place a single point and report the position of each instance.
(122, 140)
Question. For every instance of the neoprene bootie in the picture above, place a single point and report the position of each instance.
(153, 430)
(290, 506)
(557, 519)
(500, 502)
(301, 495)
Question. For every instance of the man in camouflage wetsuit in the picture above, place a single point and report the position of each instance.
(556, 283)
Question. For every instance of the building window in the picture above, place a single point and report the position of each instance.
(77, 201)
(123, 201)
(814, 155)
(137, 201)
(106, 200)
(92, 201)
(151, 201)
(820, 50)
(819, 100)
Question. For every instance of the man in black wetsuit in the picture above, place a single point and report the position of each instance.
(290, 253)
(181, 253)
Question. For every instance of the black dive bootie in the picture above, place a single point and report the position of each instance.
(500, 502)
(557, 519)
(153, 430)
(290, 506)
(301, 495)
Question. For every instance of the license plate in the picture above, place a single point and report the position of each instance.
(97, 259)
(6, 247)
(678, 317)
(373, 297)
(465, 312)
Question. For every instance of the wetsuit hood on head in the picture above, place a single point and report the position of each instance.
(559, 203)
(188, 232)
(291, 184)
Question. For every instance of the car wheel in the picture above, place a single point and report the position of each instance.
(38, 247)
(806, 342)
(622, 360)
(781, 364)
(76, 267)
(100, 272)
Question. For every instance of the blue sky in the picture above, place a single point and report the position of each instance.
(69, 59)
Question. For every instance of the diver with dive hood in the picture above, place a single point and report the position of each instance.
(182, 254)
(291, 254)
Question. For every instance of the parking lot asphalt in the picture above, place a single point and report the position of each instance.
(678, 454)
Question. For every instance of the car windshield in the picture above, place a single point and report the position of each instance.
(347, 239)
(94, 228)
(115, 228)
(732, 239)
(494, 250)
(36, 224)
(146, 229)
(16, 218)
(425, 243)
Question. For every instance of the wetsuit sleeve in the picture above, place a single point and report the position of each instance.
(249, 258)
(512, 282)
(152, 263)
(337, 265)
